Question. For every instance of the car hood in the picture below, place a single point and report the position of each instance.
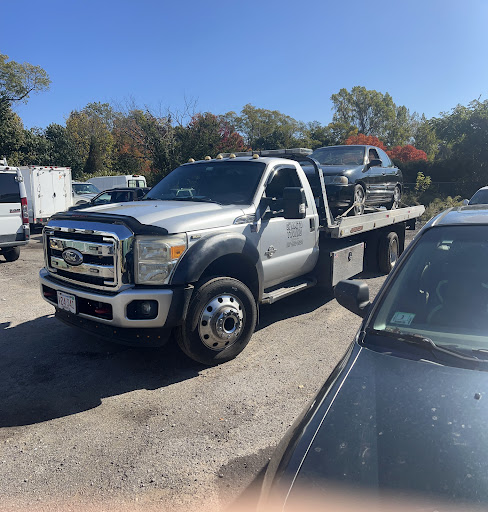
(334, 170)
(404, 426)
(174, 216)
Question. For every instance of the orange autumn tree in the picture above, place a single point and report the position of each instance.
(369, 140)
(407, 153)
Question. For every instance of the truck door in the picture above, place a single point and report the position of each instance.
(288, 247)
(10, 208)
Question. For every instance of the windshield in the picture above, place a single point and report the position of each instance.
(220, 182)
(343, 155)
(85, 188)
(480, 197)
(441, 292)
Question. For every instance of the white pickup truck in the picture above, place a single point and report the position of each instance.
(207, 245)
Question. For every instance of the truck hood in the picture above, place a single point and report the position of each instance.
(174, 216)
(404, 426)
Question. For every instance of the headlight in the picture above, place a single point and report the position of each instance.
(336, 180)
(155, 258)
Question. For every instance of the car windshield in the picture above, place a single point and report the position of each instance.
(480, 197)
(228, 182)
(441, 291)
(344, 155)
(85, 188)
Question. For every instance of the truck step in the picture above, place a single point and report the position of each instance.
(286, 289)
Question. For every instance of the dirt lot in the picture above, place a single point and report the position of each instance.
(89, 423)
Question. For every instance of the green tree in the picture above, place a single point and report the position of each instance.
(426, 138)
(11, 136)
(90, 131)
(372, 113)
(18, 81)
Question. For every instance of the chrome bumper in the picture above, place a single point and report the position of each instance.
(119, 302)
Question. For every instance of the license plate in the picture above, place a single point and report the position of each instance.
(67, 302)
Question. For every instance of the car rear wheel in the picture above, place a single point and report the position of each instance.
(395, 200)
(221, 318)
(11, 254)
(359, 198)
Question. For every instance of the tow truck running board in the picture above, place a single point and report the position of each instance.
(287, 289)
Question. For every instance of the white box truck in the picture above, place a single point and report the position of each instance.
(48, 191)
(128, 180)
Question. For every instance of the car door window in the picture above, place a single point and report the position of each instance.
(373, 154)
(103, 199)
(284, 177)
(384, 158)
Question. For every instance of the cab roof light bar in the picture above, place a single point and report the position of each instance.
(269, 152)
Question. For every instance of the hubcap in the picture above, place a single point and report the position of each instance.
(221, 322)
(396, 198)
(393, 253)
(359, 201)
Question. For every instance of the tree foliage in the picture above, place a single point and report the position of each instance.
(18, 81)
(372, 113)
(369, 140)
(407, 153)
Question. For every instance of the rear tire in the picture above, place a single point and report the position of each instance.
(11, 254)
(388, 252)
(221, 318)
(395, 200)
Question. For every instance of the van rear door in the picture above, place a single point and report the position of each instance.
(10, 208)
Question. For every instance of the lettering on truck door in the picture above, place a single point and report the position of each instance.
(288, 247)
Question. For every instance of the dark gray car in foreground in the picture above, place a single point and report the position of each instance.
(360, 174)
(405, 413)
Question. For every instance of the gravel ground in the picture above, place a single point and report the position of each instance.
(90, 425)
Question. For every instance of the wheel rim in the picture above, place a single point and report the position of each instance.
(221, 322)
(393, 253)
(396, 197)
(359, 201)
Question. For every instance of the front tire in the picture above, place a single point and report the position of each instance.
(221, 318)
(359, 198)
(11, 254)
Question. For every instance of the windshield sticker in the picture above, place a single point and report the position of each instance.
(402, 318)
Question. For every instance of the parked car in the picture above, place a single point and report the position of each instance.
(115, 195)
(83, 192)
(14, 217)
(404, 413)
(480, 196)
(359, 175)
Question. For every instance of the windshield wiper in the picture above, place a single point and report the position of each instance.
(424, 341)
(195, 199)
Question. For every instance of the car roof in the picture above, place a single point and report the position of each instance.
(471, 214)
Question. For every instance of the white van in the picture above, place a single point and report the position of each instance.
(128, 180)
(14, 219)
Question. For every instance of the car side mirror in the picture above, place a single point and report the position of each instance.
(354, 296)
(465, 202)
(294, 203)
(375, 163)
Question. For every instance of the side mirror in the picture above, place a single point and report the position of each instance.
(294, 203)
(375, 163)
(354, 296)
(465, 202)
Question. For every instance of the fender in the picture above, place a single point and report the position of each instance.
(208, 249)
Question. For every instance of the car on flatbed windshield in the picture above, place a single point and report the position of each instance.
(363, 176)
(404, 413)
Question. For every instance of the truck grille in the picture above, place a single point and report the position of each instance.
(87, 257)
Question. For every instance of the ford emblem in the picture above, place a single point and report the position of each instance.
(72, 257)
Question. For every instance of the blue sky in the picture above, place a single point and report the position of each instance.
(430, 55)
